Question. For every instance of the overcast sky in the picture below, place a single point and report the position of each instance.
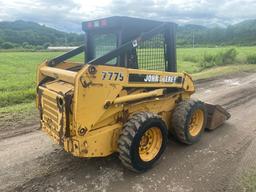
(67, 15)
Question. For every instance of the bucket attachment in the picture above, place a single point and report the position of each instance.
(216, 116)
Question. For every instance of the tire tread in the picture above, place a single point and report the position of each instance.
(128, 133)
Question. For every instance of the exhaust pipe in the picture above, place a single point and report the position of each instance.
(216, 116)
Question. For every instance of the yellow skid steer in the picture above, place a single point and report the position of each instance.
(126, 97)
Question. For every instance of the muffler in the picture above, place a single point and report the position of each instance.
(216, 116)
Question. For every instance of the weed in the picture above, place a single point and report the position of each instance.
(191, 58)
(220, 58)
(251, 59)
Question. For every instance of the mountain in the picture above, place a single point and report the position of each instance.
(243, 33)
(22, 33)
(186, 33)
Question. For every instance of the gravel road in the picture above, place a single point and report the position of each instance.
(29, 161)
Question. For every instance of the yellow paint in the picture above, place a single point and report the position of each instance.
(60, 74)
(134, 97)
(196, 122)
(150, 144)
(99, 108)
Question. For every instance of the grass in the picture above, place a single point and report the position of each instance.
(18, 72)
(251, 58)
(248, 181)
(223, 70)
(189, 59)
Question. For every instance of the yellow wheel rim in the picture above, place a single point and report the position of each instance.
(196, 122)
(150, 144)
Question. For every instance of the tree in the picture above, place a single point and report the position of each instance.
(7, 45)
(46, 45)
(1, 40)
(26, 45)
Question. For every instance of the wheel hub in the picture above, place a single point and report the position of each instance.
(196, 122)
(150, 144)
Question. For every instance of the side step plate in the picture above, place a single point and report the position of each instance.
(217, 115)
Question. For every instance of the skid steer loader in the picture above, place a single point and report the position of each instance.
(126, 96)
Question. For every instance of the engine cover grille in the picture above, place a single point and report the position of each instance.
(53, 114)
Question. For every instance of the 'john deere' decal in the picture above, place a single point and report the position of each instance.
(151, 78)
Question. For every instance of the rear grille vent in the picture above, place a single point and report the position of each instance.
(53, 117)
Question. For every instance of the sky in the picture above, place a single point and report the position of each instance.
(67, 15)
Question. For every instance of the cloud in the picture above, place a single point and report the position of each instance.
(67, 15)
(203, 12)
(54, 13)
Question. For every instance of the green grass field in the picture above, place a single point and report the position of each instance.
(18, 72)
(189, 59)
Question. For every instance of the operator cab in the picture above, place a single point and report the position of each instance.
(156, 53)
(127, 42)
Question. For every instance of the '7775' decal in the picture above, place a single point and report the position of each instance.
(114, 76)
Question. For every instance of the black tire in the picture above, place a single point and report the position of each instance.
(129, 140)
(181, 118)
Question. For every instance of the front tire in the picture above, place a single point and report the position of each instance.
(189, 121)
(142, 141)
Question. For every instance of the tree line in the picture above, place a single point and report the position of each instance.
(30, 35)
(241, 34)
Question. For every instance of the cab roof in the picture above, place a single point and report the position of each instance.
(121, 22)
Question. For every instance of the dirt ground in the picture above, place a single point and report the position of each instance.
(29, 161)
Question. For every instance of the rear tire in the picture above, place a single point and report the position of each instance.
(142, 141)
(189, 121)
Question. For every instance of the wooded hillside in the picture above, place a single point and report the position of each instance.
(30, 35)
